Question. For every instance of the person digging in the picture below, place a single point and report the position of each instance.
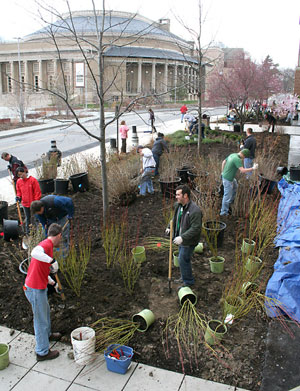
(35, 288)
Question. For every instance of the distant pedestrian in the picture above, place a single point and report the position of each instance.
(147, 170)
(14, 163)
(158, 148)
(28, 190)
(152, 120)
(183, 111)
(271, 121)
(124, 135)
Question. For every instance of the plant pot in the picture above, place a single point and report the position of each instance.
(185, 293)
(231, 305)
(215, 331)
(214, 232)
(199, 248)
(201, 174)
(11, 229)
(183, 173)
(176, 258)
(61, 186)
(3, 211)
(139, 254)
(253, 264)
(46, 185)
(4, 355)
(83, 341)
(248, 246)
(168, 188)
(145, 319)
(119, 366)
(266, 185)
(295, 173)
(80, 182)
(216, 264)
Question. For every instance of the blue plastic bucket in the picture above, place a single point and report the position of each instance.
(118, 365)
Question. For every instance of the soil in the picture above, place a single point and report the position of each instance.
(237, 362)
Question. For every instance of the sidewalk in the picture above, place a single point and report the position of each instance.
(61, 374)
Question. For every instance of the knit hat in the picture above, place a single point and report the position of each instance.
(245, 152)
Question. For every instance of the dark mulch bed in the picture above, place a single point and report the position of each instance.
(239, 363)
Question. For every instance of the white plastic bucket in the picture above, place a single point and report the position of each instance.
(83, 341)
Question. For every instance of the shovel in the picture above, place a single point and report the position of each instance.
(170, 256)
(24, 240)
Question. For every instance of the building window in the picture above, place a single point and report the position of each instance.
(36, 67)
(22, 67)
(128, 86)
(50, 82)
(9, 85)
(8, 68)
(115, 98)
(36, 83)
(50, 66)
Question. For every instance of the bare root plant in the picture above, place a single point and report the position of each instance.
(130, 270)
(74, 265)
(74, 164)
(46, 168)
(113, 239)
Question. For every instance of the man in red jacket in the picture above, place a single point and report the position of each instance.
(35, 288)
(28, 190)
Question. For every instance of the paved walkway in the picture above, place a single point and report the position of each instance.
(61, 374)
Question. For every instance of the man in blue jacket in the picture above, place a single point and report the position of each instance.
(55, 209)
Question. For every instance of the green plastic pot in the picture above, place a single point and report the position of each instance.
(216, 264)
(253, 264)
(248, 246)
(139, 253)
(176, 258)
(145, 319)
(4, 355)
(249, 287)
(199, 248)
(214, 332)
(231, 304)
(185, 293)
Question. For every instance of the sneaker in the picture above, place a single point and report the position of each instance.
(52, 354)
(55, 337)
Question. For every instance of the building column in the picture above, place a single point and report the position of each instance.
(14, 76)
(26, 76)
(139, 83)
(166, 77)
(153, 80)
(71, 76)
(41, 84)
(1, 89)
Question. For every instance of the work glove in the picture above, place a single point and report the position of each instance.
(18, 199)
(54, 267)
(167, 231)
(56, 287)
(178, 240)
(255, 166)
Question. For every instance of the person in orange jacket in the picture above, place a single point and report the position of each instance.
(28, 190)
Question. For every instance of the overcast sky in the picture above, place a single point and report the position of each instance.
(261, 27)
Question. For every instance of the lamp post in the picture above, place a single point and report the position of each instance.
(21, 97)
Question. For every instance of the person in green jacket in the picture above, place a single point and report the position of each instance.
(187, 225)
(230, 166)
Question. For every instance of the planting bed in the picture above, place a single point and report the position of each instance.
(239, 362)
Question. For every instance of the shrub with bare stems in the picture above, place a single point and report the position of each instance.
(72, 165)
(46, 168)
(170, 162)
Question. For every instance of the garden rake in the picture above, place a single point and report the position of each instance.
(170, 256)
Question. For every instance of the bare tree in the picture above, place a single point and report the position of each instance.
(93, 52)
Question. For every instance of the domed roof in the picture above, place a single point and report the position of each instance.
(115, 22)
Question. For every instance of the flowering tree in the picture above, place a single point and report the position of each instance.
(283, 103)
(245, 81)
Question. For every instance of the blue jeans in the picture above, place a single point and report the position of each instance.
(146, 181)
(156, 158)
(41, 318)
(248, 163)
(229, 195)
(65, 241)
(185, 253)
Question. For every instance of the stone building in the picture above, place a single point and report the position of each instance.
(142, 57)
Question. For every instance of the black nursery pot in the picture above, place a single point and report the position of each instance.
(61, 186)
(11, 229)
(183, 173)
(80, 182)
(295, 173)
(46, 185)
(3, 211)
(266, 185)
(214, 231)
